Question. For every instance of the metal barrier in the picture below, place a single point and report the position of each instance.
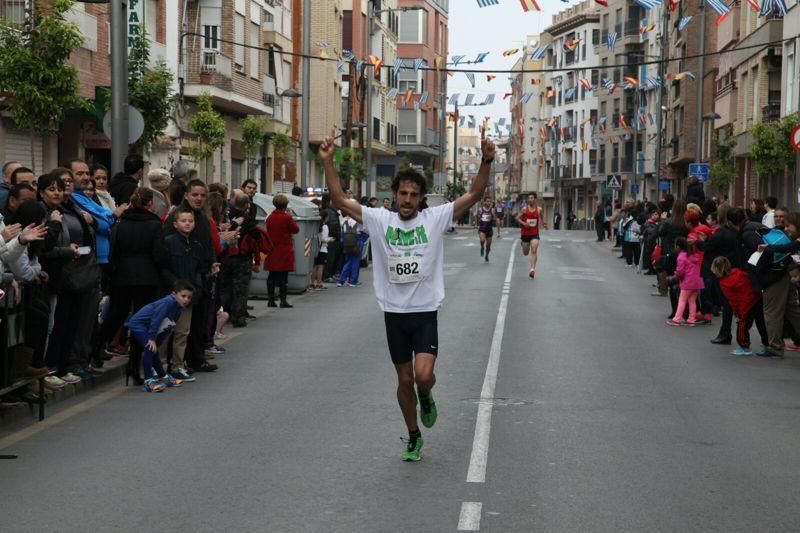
(12, 365)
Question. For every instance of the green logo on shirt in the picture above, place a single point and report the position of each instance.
(398, 237)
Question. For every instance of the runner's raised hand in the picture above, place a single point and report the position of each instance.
(488, 149)
(326, 149)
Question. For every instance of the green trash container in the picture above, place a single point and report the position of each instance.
(306, 214)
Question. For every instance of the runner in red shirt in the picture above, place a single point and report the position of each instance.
(529, 220)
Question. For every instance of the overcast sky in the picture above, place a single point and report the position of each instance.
(492, 29)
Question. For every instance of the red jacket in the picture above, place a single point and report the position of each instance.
(739, 292)
(280, 227)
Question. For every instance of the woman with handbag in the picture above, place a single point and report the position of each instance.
(78, 290)
(280, 261)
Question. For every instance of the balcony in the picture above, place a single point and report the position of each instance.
(627, 164)
(771, 112)
(770, 31)
(211, 71)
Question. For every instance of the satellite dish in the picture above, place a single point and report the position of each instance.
(135, 124)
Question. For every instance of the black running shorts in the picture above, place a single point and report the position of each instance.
(486, 231)
(411, 333)
(321, 258)
(529, 238)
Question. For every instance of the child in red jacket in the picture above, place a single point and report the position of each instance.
(744, 301)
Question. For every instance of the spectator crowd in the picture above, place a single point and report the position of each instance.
(151, 268)
(710, 259)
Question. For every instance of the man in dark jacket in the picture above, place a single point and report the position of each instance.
(694, 192)
(334, 229)
(237, 266)
(124, 183)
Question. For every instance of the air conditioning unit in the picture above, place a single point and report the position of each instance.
(239, 68)
(269, 100)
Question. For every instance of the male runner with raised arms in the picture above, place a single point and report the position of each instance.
(408, 260)
(529, 220)
(485, 227)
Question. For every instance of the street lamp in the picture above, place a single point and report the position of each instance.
(290, 93)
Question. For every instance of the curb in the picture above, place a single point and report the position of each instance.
(113, 369)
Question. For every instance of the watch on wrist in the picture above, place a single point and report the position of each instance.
(488, 161)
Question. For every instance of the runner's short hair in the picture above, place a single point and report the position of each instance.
(413, 176)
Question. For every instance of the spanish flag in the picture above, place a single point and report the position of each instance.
(647, 28)
(377, 63)
(602, 2)
(585, 83)
(550, 93)
(571, 45)
(622, 122)
(529, 5)
(510, 52)
(631, 80)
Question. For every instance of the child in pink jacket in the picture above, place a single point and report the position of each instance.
(691, 283)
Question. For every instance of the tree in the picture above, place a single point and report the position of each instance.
(253, 131)
(149, 91)
(454, 190)
(352, 165)
(35, 69)
(722, 172)
(210, 129)
(771, 150)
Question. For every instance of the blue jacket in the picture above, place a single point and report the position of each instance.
(155, 320)
(103, 222)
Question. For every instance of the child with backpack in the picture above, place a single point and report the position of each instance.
(745, 302)
(353, 237)
(151, 325)
(687, 274)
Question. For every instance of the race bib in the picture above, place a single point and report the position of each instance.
(405, 269)
(532, 222)
(486, 218)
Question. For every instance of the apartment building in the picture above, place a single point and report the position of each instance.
(423, 34)
(571, 96)
(382, 36)
(527, 164)
(758, 76)
(790, 77)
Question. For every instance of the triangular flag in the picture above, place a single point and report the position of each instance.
(490, 77)
(471, 77)
(376, 63)
(530, 5)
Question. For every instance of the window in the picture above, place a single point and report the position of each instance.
(745, 99)
(413, 27)
(211, 21)
(790, 93)
(596, 37)
(211, 37)
(407, 130)
(13, 11)
(408, 79)
(255, 53)
(754, 92)
(238, 36)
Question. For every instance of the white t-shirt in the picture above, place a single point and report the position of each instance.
(324, 235)
(769, 219)
(414, 251)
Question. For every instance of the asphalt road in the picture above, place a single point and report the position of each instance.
(599, 418)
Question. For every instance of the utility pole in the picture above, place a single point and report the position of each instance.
(306, 98)
(119, 84)
(370, 72)
(442, 128)
(660, 116)
(638, 104)
(700, 82)
(455, 147)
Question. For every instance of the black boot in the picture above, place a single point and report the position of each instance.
(271, 293)
(284, 303)
(132, 369)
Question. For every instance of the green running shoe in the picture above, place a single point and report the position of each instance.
(427, 411)
(412, 448)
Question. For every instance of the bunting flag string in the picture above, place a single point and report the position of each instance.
(682, 23)
(399, 65)
(470, 98)
(392, 94)
(721, 7)
(376, 63)
(646, 28)
(453, 99)
(487, 3)
(529, 5)
(768, 6)
(455, 60)
(437, 61)
(347, 54)
(510, 52)
(631, 80)
(585, 83)
(481, 57)
(648, 4)
(359, 66)
(539, 52)
(490, 77)
(423, 99)
(417, 64)
(611, 40)
(471, 78)
(754, 5)
(602, 2)
(340, 66)
(506, 95)
(489, 99)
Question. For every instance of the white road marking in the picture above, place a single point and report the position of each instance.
(581, 277)
(575, 269)
(483, 424)
(470, 517)
(460, 238)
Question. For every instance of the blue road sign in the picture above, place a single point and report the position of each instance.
(663, 185)
(634, 188)
(700, 170)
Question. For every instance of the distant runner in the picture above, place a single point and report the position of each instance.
(408, 276)
(529, 220)
(500, 215)
(486, 221)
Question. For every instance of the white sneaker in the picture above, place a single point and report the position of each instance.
(54, 382)
(220, 336)
(71, 378)
(183, 375)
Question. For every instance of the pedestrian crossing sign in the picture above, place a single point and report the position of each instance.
(614, 181)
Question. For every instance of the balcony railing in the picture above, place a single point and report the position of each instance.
(771, 112)
(211, 61)
(632, 27)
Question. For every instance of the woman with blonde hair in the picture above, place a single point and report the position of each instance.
(159, 180)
